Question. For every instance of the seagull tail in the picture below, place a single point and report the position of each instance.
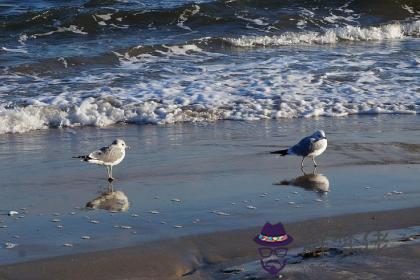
(281, 152)
(83, 158)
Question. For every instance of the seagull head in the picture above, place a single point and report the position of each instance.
(120, 143)
(319, 134)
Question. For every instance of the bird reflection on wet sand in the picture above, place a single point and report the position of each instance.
(110, 200)
(311, 182)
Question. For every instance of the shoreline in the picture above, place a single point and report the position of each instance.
(201, 255)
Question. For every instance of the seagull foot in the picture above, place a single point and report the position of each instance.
(110, 179)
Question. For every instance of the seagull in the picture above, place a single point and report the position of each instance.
(310, 146)
(108, 156)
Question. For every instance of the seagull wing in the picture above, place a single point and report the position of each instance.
(304, 147)
(108, 155)
(99, 154)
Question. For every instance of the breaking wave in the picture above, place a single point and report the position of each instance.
(330, 36)
(105, 62)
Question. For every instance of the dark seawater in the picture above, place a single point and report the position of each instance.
(77, 63)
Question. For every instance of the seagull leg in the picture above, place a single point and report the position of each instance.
(110, 179)
(315, 164)
(301, 164)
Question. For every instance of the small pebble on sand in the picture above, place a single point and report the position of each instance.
(251, 207)
(292, 202)
(126, 227)
(12, 213)
(3, 226)
(319, 200)
(154, 212)
(134, 215)
(86, 237)
(68, 245)
(163, 222)
(94, 221)
(176, 200)
(55, 220)
(10, 245)
(178, 226)
(220, 213)
(72, 213)
(60, 226)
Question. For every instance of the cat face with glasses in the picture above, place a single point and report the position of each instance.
(272, 240)
(273, 259)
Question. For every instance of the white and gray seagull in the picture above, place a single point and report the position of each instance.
(310, 146)
(107, 156)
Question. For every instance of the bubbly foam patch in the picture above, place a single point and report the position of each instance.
(189, 83)
(330, 36)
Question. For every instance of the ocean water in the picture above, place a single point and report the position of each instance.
(103, 62)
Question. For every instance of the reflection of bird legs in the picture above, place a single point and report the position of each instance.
(110, 187)
(315, 164)
(109, 169)
(304, 173)
(301, 164)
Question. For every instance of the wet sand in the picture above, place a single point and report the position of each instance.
(189, 181)
(212, 256)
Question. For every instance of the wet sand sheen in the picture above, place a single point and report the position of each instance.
(204, 256)
(185, 180)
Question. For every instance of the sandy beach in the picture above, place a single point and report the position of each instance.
(216, 256)
(212, 97)
(191, 197)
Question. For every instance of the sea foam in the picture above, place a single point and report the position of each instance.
(334, 35)
(193, 83)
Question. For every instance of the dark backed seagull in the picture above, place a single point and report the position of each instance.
(310, 146)
(107, 156)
